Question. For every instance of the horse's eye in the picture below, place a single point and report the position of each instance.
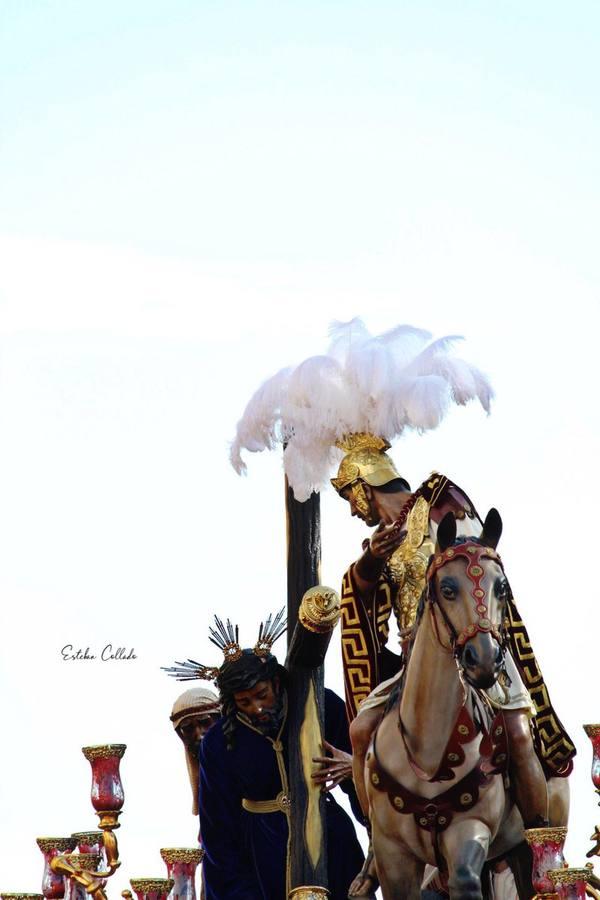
(448, 592)
(501, 590)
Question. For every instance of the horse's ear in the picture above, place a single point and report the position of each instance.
(492, 529)
(446, 533)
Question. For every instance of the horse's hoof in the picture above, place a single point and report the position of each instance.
(465, 884)
(366, 882)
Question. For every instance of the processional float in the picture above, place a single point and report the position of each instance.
(279, 413)
(308, 409)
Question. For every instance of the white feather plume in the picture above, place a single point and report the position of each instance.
(381, 384)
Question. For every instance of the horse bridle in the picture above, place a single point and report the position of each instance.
(474, 553)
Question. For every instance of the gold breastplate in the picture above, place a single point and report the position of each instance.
(407, 566)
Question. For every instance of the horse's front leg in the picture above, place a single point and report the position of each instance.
(558, 801)
(465, 846)
(400, 873)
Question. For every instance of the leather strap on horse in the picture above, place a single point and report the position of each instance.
(436, 814)
(464, 732)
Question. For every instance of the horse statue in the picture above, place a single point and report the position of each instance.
(443, 729)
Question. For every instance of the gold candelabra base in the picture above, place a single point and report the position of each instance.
(309, 892)
(94, 882)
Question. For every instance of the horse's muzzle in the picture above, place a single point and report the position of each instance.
(481, 661)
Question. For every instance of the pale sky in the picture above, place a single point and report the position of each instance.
(189, 194)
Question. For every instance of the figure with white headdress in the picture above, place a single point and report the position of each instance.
(193, 713)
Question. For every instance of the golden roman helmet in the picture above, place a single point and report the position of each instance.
(365, 460)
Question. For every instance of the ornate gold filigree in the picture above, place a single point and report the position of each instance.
(592, 731)
(20, 896)
(568, 876)
(104, 751)
(365, 458)
(407, 566)
(362, 440)
(348, 472)
(182, 854)
(269, 632)
(361, 501)
(320, 609)
(88, 837)
(84, 862)
(152, 885)
(537, 836)
(232, 652)
(309, 892)
(64, 844)
(108, 820)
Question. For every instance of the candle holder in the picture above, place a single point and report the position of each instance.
(593, 732)
(53, 885)
(107, 799)
(107, 790)
(182, 863)
(81, 862)
(547, 848)
(92, 842)
(89, 841)
(572, 884)
(150, 888)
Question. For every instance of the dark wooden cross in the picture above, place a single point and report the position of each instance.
(306, 653)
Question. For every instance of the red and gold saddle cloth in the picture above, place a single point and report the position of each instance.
(435, 814)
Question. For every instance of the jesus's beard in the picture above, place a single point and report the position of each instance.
(269, 721)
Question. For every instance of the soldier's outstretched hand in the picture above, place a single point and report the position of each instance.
(385, 540)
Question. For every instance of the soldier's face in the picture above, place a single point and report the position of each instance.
(362, 507)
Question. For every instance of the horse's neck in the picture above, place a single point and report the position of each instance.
(432, 697)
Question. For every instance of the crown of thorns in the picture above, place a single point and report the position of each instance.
(226, 637)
